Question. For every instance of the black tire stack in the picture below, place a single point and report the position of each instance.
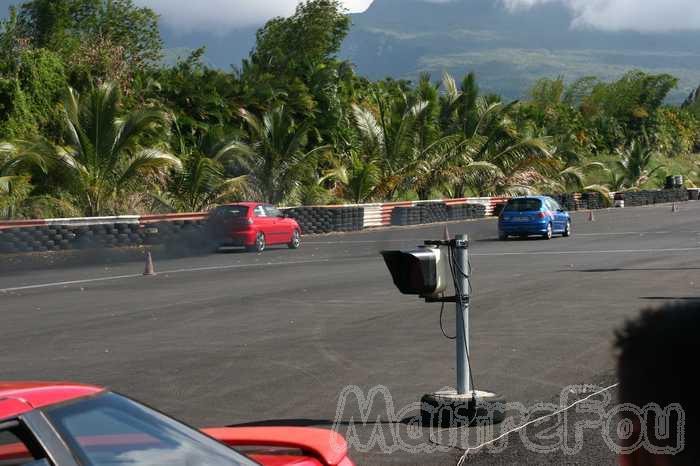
(567, 200)
(671, 195)
(181, 236)
(638, 198)
(641, 198)
(67, 237)
(310, 219)
(593, 201)
(466, 212)
(433, 212)
(348, 218)
(404, 216)
(316, 220)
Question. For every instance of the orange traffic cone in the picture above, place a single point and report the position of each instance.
(591, 217)
(149, 271)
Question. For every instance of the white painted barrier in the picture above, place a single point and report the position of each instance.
(372, 215)
(86, 221)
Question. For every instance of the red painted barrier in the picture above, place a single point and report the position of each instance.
(388, 208)
(147, 219)
(6, 225)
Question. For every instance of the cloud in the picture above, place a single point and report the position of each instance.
(634, 15)
(219, 15)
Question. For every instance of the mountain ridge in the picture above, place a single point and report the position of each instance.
(509, 50)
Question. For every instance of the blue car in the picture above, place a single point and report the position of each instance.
(533, 215)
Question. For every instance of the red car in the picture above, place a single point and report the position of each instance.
(253, 226)
(67, 424)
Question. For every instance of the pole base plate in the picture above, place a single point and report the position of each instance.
(448, 409)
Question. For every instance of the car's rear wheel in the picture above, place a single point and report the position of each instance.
(295, 243)
(567, 230)
(259, 245)
(550, 233)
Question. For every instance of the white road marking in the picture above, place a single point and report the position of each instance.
(164, 272)
(368, 241)
(564, 253)
(420, 240)
(318, 261)
(622, 233)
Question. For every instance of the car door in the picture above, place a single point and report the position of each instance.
(560, 216)
(281, 233)
(263, 223)
(551, 212)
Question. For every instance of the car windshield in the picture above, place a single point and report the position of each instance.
(523, 205)
(231, 211)
(113, 430)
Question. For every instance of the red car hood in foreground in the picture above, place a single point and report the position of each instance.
(270, 446)
(327, 447)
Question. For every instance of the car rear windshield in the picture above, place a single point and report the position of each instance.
(110, 430)
(231, 211)
(523, 205)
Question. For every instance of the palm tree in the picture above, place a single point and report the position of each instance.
(494, 156)
(275, 157)
(635, 162)
(201, 182)
(356, 177)
(483, 152)
(102, 160)
(389, 140)
(572, 178)
(499, 157)
(16, 165)
(463, 110)
(503, 164)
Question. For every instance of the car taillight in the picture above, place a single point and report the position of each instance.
(541, 215)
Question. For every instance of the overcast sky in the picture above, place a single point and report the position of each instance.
(222, 14)
(640, 15)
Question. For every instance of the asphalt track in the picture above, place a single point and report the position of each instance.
(237, 338)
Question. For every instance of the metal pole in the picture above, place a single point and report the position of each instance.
(461, 258)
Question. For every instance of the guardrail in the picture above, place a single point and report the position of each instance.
(187, 230)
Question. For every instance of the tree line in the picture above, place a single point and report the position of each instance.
(93, 123)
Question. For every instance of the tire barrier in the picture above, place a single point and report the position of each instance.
(179, 234)
(315, 220)
(435, 212)
(593, 201)
(404, 216)
(642, 198)
(465, 212)
(569, 201)
(69, 237)
(183, 234)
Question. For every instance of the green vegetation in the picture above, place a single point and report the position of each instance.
(90, 124)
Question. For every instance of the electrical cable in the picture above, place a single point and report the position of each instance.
(463, 459)
(442, 328)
